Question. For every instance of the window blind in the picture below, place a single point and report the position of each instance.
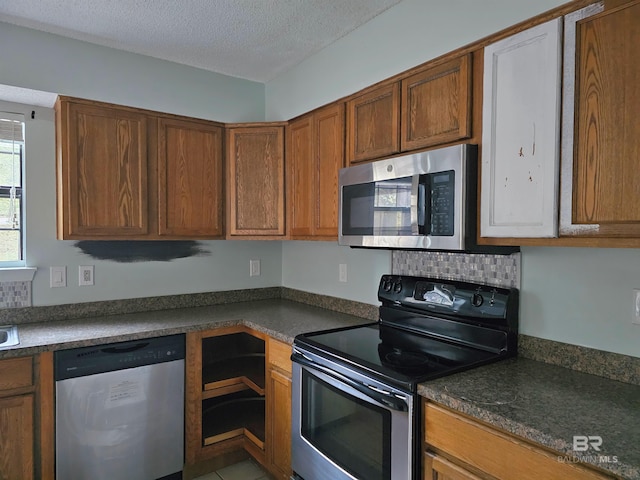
(11, 127)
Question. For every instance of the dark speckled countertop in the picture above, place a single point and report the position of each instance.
(543, 403)
(281, 319)
(548, 405)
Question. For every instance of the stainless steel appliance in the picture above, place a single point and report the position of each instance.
(120, 410)
(355, 408)
(424, 200)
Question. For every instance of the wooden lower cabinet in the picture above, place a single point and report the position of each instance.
(16, 437)
(26, 418)
(439, 468)
(458, 447)
(238, 397)
(279, 409)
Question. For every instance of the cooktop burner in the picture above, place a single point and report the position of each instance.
(406, 361)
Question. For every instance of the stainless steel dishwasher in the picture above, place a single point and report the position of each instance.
(120, 410)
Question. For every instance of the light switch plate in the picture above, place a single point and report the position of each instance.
(57, 277)
(254, 268)
(635, 319)
(342, 272)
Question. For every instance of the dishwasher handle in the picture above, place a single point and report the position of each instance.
(133, 348)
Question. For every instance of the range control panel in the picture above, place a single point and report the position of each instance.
(450, 297)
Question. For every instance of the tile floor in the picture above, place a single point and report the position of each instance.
(245, 470)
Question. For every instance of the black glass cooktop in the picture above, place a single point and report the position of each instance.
(396, 356)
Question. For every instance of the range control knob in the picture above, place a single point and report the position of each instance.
(477, 300)
(397, 287)
(386, 286)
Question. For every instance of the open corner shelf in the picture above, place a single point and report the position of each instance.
(233, 415)
(233, 389)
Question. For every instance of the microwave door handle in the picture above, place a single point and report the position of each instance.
(423, 207)
(379, 395)
(415, 205)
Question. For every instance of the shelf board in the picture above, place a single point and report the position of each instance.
(241, 414)
(248, 369)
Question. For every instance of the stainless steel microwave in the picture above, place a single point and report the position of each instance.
(425, 200)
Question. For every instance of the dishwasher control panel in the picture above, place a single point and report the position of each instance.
(79, 362)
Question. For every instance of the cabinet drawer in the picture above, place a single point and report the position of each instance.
(494, 452)
(16, 373)
(280, 355)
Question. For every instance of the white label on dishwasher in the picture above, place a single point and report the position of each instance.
(124, 393)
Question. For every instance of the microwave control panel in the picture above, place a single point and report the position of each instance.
(441, 205)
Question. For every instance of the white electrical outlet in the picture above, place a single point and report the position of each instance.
(636, 306)
(57, 277)
(254, 268)
(342, 272)
(85, 275)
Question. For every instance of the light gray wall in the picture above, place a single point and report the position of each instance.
(314, 267)
(579, 296)
(582, 296)
(51, 63)
(408, 34)
(55, 64)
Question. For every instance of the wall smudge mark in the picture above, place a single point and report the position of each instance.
(129, 251)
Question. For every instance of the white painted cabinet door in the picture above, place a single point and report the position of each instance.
(521, 134)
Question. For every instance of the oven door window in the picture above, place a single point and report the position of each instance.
(352, 433)
(381, 208)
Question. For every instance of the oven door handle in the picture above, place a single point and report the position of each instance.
(381, 396)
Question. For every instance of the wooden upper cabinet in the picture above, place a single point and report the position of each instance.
(126, 173)
(102, 171)
(436, 105)
(190, 179)
(255, 181)
(606, 156)
(315, 154)
(300, 180)
(328, 125)
(373, 123)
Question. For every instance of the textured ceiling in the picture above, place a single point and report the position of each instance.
(251, 39)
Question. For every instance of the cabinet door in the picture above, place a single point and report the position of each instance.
(16, 437)
(301, 198)
(328, 125)
(102, 172)
(437, 468)
(436, 105)
(520, 140)
(279, 411)
(373, 124)
(315, 154)
(190, 179)
(606, 156)
(255, 186)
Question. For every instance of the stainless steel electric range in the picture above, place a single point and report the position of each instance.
(355, 410)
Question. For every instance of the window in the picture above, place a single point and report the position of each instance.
(11, 194)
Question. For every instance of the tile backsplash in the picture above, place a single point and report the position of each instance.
(15, 294)
(497, 270)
